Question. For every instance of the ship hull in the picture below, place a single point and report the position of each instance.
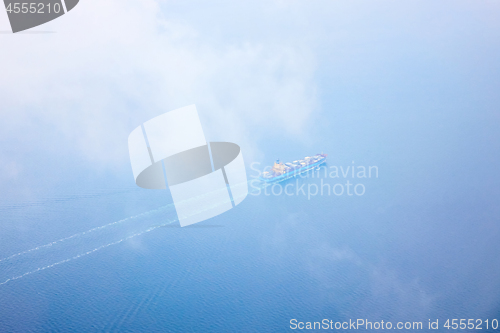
(293, 173)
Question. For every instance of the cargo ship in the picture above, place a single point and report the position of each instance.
(281, 171)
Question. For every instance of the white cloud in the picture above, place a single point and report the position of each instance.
(111, 65)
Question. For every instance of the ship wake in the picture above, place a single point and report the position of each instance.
(81, 244)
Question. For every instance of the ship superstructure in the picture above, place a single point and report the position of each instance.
(281, 171)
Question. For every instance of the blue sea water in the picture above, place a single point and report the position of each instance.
(421, 243)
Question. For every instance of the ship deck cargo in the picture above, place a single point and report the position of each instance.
(281, 171)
